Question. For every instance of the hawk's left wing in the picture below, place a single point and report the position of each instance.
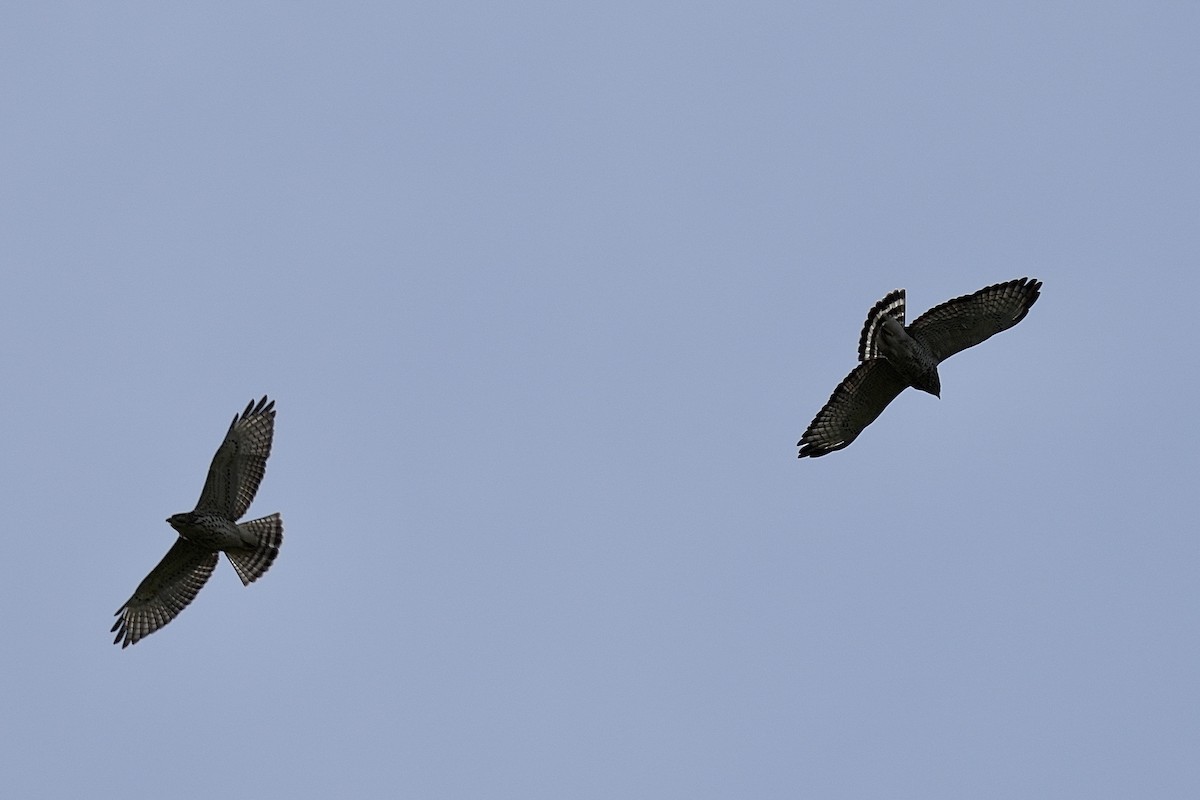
(968, 320)
(240, 462)
(857, 401)
(166, 591)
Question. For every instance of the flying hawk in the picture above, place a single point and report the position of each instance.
(212, 528)
(893, 357)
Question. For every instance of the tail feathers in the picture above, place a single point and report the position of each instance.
(251, 563)
(890, 306)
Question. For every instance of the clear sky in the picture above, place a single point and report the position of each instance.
(546, 293)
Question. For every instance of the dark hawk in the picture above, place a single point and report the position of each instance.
(893, 357)
(212, 528)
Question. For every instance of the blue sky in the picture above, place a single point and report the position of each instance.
(546, 294)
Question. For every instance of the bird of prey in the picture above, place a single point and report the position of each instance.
(211, 529)
(893, 357)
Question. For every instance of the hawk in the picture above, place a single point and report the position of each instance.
(212, 528)
(893, 357)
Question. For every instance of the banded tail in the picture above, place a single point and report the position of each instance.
(251, 563)
(890, 306)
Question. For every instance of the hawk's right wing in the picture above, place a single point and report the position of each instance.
(165, 592)
(966, 321)
(854, 405)
(240, 462)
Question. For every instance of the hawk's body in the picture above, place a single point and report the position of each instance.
(212, 528)
(893, 357)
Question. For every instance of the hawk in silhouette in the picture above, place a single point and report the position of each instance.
(212, 528)
(893, 357)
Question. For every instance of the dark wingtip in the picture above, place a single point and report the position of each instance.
(264, 405)
(810, 450)
(1028, 288)
(1033, 290)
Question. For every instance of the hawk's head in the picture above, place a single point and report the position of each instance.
(185, 519)
(929, 382)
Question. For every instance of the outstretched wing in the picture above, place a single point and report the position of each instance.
(968, 320)
(854, 405)
(240, 462)
(165, 592)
